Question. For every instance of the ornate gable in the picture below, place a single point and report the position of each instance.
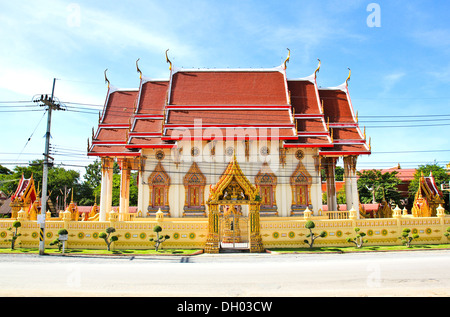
(233, 185)
(194, 176)
(159, 176)
(301, 176)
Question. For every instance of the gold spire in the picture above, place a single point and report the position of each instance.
(106, 78)
(168, 61)
(138, 70)
(287, 58)
(348, 78)
(317, 70)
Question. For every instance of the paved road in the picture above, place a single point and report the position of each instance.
(415, 273)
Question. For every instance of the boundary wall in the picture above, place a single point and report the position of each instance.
(191, 233)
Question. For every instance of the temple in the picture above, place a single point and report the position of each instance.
(245, 143)
(428, 197)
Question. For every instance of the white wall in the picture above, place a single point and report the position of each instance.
(213, 167)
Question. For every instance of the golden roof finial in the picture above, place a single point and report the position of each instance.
(138, 70)
(168, 61)
(287, 58)
(348, 78)
(317, 69)
(106, 78)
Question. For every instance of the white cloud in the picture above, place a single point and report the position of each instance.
(390, 80)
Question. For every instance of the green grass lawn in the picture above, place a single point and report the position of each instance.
(348, 249)
(19, 250)
(362, 249)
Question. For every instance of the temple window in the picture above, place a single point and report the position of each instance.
(267, 183)
(159, 182)
(300, 184)
(194, 184)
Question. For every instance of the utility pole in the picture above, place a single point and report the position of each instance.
(51, 105)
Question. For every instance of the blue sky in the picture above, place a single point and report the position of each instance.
(400, 67)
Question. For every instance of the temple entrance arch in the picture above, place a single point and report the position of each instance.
(233, 228)
(232, 190)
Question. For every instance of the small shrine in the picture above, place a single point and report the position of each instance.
(428, 197)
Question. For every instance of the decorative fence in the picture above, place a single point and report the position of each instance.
(191, 233)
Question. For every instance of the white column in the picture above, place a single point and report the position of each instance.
(348, 182)
(354, 185)
(140, 185)
(124, 186)
(351, 183)
(106, 187)
(330, 165)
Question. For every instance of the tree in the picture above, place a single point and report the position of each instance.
(58, 178)
(447, 234)
(338, 174)
(359, 239)
(406, 238)
(92, 185)
(16, 225)
(159, 240)
(310, 225)
(106, 236)
(4, 171)
(375, 186)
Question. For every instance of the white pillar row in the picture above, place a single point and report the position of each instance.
(106, 187)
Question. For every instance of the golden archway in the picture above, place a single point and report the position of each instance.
(233, 188)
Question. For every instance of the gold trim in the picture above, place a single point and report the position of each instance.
(287, 58)
(168, 60)
(317, 69)
(138, 70)
(106, 78)
(348, 78)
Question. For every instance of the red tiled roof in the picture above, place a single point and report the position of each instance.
(120, 106)
(311, 127)
(240, 101)
(405, 174)
(303, 97)
(152, 97)
(211, 87)
(338, 111)
(336, 106)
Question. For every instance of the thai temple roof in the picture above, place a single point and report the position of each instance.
(204, 104)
